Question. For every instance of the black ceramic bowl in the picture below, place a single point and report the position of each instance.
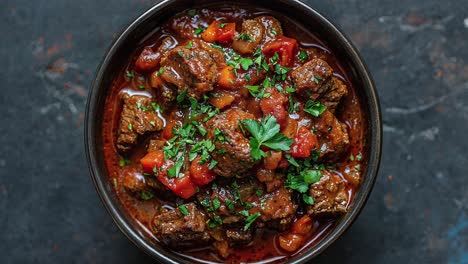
(143, 25)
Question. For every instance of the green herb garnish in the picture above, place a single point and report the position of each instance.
(314, 108)
(183, 210)
(266, 133)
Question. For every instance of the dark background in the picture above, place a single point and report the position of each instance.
(417, 51)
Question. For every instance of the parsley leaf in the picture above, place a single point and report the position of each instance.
(144, 195)
(303, 56)
(314, 108)
(189, 45)
(199, 30)
(246, 63)
(245, 37)
(308, 199)
(266, 133)
(183, 210)
(250, 219)
(124, 161)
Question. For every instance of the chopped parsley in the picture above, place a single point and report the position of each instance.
(222, 25)
(130, 127)
(161, 70)
(199, 30)
(273, 31)
(192, 12)
(141, 87)
(359, 156)
(250, 219)
(245, 37)
(189, 45)
(246, 63)
(130, 74)
(144, 195)
(156, 107)
(308, 199)
(183, 210)
(181, 97)
(317, 78)
(266, 133)
(124, 161)
(314, 108)
(303, 56)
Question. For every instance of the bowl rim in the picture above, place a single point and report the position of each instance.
(375, 129)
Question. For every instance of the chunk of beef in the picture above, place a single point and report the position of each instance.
(311, 77)
(277, 208)
(149, 59)
(315, 79)
(272, 27)
(332, 136)
(335, 92)
(136, 120)
(231, 196)
(177, 230)
(166, 91)
(194, 69)
(250, 38)
(232, 147)
(136, 183)
(271, 178)
(155, 144)
(227, 237)
(330, 196)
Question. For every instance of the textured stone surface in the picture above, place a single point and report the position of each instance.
(416, 50)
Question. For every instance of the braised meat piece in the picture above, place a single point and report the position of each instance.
(232, 147)
(137, 118)
(149, 59)
(175, 229)
(194, 69)
(335, 92)
(315, 79)
(228, 237)
(255, 32)
(330, 196)
(250, 38)
(231, 196)
(137, 184)
(311, 77)
(332, 136)
(272, 27)
(277, 208)
(155, 145)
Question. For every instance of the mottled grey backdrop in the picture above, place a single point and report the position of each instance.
(417, 51)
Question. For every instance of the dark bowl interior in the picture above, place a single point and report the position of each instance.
(125, 44)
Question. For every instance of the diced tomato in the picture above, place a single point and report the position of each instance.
(302, 226)
(304, 142)
(272, 159)
(222, 99)
(200, 173)
(182, 187)
(285, 47)
(152, 160)
(148, 60)
(290, 242)
(226, 78)
(220, 32)
(275, 105)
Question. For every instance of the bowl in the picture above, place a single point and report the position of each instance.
(144, 24)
